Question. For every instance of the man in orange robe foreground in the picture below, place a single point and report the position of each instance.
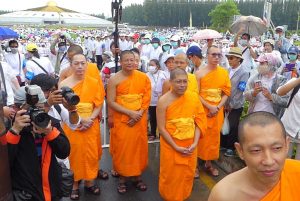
(180, 118)
(128, 95)
(85, 141)
(214, 89)
(269, 176)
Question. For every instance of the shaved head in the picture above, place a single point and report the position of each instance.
(181, 60)
(175, 72)
(262, 119)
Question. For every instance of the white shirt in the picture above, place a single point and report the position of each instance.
(123, 44)
(290, 118)
(146, 50)
(99, 47)
(248, 61)
(16, 64)
(157, 81)
(43, 61)
(8, 76)
(262, 103)
(154, 54)
(232, 71)
(63, 116)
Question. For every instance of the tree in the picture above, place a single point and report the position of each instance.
(222, 15)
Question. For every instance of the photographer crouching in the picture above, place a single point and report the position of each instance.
(33, 145)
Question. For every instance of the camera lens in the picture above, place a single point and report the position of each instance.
(72, 99)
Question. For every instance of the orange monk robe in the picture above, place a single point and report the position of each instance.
(287, 189)
(212, 85)
(176, 171)
(129, 145)
(86, 145)
(192, 83)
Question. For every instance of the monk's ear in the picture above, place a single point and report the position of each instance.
(239, 150)
(287, 143)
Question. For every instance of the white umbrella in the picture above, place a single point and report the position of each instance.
(206, 34)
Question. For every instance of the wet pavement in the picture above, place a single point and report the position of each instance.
(109, 192)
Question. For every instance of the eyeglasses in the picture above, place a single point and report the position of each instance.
(216, 55)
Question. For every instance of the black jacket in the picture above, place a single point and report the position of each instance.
(25, 168)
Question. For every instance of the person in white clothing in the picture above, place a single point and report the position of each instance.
(247, 50)
(16, 61)
(162, 57)
(156, 51)
(37, 65)
(100, 46)
(157, 78)
(290, 118)
(146, 46)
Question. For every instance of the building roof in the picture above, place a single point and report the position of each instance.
(52, 14)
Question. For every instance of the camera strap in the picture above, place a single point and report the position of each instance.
(40, 67)
(295, 90)
(2, 78)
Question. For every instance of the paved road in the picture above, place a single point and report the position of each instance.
(109, 192)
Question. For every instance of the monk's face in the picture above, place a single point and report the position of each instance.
(264, 149)
(214, 56)
(181, 61)
(128, 62)
(179, 84)
(79, 64)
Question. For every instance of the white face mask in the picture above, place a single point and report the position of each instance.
(263, 69)
(276, 36)
(152, 69)
(243, 42)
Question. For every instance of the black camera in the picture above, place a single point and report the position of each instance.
(39, 117)
(70, 96)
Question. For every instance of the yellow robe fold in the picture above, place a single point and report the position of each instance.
(287, 189)
(129, 145)
(86, 147)
(176, 171)
(192, 83)
(212, 86)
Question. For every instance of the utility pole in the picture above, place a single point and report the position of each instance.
(298, 18)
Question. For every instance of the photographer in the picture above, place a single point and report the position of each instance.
(32, 149)
(62, 61)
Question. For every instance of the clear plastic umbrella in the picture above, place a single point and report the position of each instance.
(252, 25)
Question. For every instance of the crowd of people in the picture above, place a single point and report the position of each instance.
(55, 89)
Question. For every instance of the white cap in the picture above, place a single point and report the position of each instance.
(280, 27)
(167, 57)
(175, 38)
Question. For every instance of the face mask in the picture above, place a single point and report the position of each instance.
(155, 45)
(147, 41)
(174, 44)
(14, 50)
(191, 64)
(243, 42)
(263, 69)
(293, 57)
(143, 41)
(152, 69)
(62, 48)
(276, 36)
(166, 48)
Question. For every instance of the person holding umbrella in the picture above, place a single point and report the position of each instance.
(247, 52)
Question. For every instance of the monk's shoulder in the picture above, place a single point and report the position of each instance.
(221, 189)
(222, 70)
(201, 72)
(141, 75)
(292, 167)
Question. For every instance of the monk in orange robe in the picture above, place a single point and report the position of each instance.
(85, 141)
(128, 95)
(214, 90)
(268, 176)
(181, 61)
(180, 118)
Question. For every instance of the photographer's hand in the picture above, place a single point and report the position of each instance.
(21, 120)
(39, 130)
(55, 98)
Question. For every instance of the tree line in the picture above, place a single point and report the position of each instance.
(175, 12)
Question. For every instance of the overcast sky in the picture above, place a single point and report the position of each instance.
(85, 6)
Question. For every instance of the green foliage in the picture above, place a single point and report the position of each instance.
(171, 12)
(222, 15)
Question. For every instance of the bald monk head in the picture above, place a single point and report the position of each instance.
(263, 146)
(74, 49)
(178, 81)
(181, 61)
